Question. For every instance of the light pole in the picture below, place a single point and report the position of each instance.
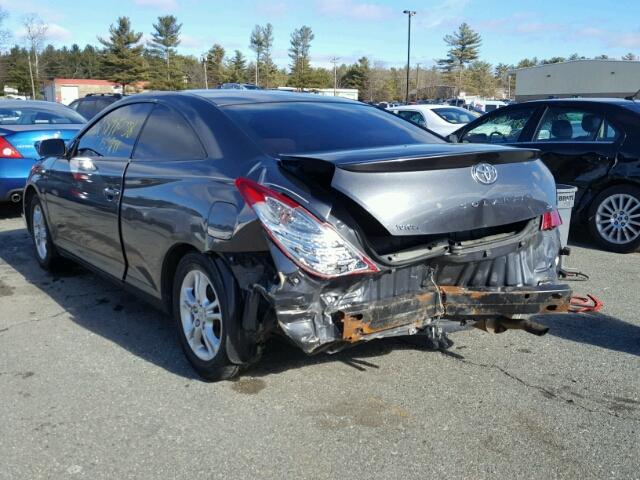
(409, 14)
(334, 60)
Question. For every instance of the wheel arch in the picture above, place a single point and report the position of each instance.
(169, 266)
(29, 193)
(593, 193)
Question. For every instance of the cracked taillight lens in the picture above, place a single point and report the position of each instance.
(550, 220)
(313, 245)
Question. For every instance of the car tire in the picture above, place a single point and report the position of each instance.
(203, 316)
(45, 250)
(614, 219)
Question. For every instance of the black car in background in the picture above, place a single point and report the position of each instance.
(90, 105)
(593, 144)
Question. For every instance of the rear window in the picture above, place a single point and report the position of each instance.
(37, 116)
(302, 127)
(455, 115)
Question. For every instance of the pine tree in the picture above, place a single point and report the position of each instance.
(164, 40)
(216, 71)
(256, 43)
(237, 68)
(299, 54)
(122, 61)
(464, 45)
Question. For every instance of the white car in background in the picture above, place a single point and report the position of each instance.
(441, 119)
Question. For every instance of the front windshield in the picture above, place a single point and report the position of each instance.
(301, 127)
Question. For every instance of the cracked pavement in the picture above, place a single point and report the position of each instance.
(94, 385)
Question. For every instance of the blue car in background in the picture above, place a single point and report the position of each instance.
(23, 123)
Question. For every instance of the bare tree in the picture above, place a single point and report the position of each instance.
(35, 32)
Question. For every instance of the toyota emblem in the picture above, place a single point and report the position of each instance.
(484, 173)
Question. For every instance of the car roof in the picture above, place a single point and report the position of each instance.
(612, 101)
(39, 104)
(618, 102)
(234, 97)
(423, 106)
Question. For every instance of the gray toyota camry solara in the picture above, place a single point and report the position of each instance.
(246, 214)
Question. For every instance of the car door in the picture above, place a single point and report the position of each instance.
(577, 142)
(167, 167)
(84, 196)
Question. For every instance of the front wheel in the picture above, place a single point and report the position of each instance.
(202, 317)
(614, 219)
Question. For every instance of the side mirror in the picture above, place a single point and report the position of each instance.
(52, 147)
(453, 138)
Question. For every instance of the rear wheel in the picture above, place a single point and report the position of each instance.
(614, 219)
(202, 317)
(46, 253)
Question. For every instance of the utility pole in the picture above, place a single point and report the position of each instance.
(409, 14)
(334, 60)
(204, 65)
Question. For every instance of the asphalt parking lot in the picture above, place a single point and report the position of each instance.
(93, 385)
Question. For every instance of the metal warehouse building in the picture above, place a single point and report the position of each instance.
(578, 78)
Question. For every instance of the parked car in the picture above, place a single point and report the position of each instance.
(592, 144)
(239, 86)
(93, 103)
(325, 219)
(441, 119)
(24, 123)
(484, 106)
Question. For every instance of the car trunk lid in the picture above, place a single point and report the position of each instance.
(435, 189)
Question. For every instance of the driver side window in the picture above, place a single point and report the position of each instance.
(114, 135)
(504, 127)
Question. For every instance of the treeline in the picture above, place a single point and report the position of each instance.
(123, 58)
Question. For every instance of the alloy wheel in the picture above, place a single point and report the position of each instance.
(618, 218)
(39, 232)
(200, 315)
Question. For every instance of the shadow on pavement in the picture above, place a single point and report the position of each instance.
(595, 329)
(10, 210)
(107, 310)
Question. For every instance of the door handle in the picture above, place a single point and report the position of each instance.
(111, 193)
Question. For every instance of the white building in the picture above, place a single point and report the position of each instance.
(578, 78)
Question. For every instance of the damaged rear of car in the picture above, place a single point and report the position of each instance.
(404, 239)
(248, 214)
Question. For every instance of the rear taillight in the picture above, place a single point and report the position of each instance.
(550, 220)
(7, 150)
(313, 245)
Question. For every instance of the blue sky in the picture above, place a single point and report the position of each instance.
(353, 28)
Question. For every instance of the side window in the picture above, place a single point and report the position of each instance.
(86, 108)
(608, 133)
(503, 127)
(167, 136)
(114, 134)
(560, 124)
(412, 116)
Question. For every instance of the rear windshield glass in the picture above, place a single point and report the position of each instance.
(302, 127)
(36, 116)
(455, 115)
